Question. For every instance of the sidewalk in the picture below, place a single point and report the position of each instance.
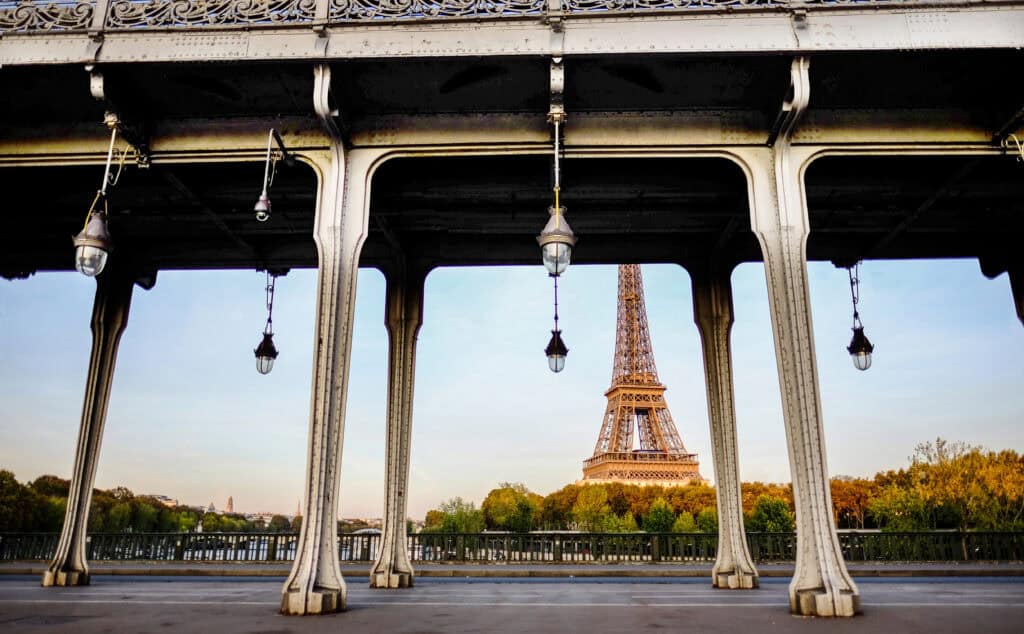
(356, 570)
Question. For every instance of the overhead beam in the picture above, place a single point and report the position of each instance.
(895, 28)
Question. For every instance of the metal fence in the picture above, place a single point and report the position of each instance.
(521, 547)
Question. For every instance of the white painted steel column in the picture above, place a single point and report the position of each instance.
(713, 314)
(821, 585)
(315, 584)
(109, 319)
(403, 318)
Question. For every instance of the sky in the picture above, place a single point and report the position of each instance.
(191, 418)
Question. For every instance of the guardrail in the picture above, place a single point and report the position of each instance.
(521, 547)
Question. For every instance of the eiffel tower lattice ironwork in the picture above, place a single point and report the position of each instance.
(636, 403)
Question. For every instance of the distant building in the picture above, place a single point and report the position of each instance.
(231, 505)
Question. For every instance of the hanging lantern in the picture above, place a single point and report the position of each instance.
(92, 245)
(860, 348)
(556, 352)
(266, 352)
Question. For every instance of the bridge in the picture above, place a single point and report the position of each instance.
(419, 134)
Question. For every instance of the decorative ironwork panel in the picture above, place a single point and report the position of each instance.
(27, 15)
(590, 6)
(349, 10)
(191, 13)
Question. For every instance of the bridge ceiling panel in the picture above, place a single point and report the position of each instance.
(972, 81)
(152, 93)
(167, 216)
(467, 211)
(472, 210)
(676, 83)
(914, 207)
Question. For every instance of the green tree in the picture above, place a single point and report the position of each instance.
(510, 507)
(296, 524)
(211, 523)
(556, 508)
(461, 517)
(119, 517)
(770, 515)
(685, 523)
(591, 510)
(707, 520)
(18, 504)
(898, 509)
(144, 518)
(660, 518)
(51, 485)
(279, 524)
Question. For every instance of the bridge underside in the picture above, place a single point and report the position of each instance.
(631, 195)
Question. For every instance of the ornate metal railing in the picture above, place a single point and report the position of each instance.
(29, 16)
(554, 548)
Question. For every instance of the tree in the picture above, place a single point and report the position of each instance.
(433, 520)
(684, 523)
(511, 507)
(591, 510)
(898, 509)
(211, 523)
(850, 500)
(660, 518)
(296, 524)
(624, 523)
(18, 504)
(707, 520)
(51, 485)
(770, 515)
(556, 508)
(461, 517)
(279, 524)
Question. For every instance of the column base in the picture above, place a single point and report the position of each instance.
(391, 580)
(320, 601)
(735, 580)
(818, 602)
(64, 578)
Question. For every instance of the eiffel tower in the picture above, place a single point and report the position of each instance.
(636, 403)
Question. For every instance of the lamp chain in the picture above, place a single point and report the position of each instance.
(271, 280)
(854, 272)
(556, 302)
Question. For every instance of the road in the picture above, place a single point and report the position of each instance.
(223, 606)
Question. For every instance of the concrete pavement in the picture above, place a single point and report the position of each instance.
(225, 606)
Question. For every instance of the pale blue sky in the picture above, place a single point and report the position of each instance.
(191, 418)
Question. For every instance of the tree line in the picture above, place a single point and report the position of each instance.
(948, 485)
(39, 506)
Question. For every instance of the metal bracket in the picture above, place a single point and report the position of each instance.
(795, 103)
(553, 15)
(322, 101)
(132, 132)
(556, 111)
(1010, 143)
(286, 156)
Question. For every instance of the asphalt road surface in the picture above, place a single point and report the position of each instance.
(223, 606)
